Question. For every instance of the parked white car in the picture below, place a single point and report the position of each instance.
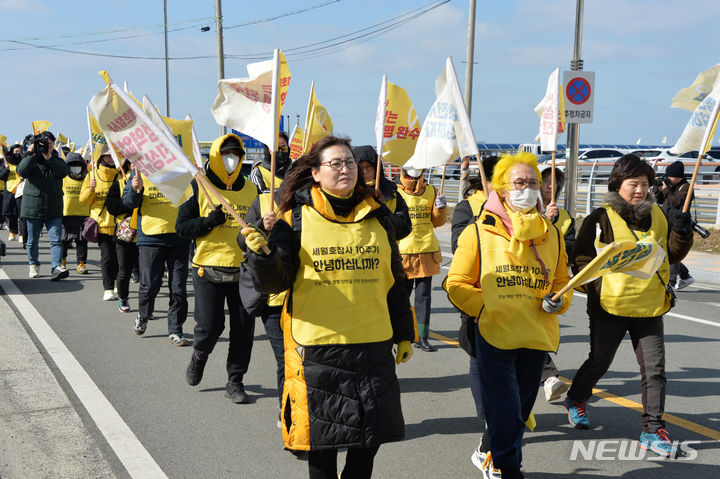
(661, 159)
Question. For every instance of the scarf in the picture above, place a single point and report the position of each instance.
(524, 228)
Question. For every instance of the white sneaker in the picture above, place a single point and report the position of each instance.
(554, 388)
(34, 271)
(109, 295)
(478, 458)
(178, 340)
(488, 469)
(684, 283)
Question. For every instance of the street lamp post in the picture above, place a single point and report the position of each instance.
(573, 135)
(221, 53)
(167, 65)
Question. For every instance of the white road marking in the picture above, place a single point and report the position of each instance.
(133, 455)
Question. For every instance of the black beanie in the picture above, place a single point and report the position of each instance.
(676, 170)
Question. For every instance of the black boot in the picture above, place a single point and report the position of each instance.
(425, 345)
(236, 393)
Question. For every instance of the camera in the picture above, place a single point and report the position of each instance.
(41, 142)
(660, 180)
(700, 230)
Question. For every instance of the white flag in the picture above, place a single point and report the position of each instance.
(700, 128)
(446, 132)
(129, 129)
(380, 116)
(549, 119)
(252, 105)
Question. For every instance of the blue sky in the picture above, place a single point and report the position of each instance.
(642, 51)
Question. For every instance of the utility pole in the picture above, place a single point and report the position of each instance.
(167, 66)
(221, 53)
(465, 166)
(573, 131)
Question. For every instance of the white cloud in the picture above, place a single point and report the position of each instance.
(15, 5)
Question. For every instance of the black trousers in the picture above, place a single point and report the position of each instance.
(423, 291)
(108, 260)
(358, 463)
(127, 255)
(153, 260)
(649, 345)
(210, 299)
(271, 320)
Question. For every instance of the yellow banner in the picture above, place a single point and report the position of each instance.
(641, 259)
(182, 131)
(40, 125)
(61, 139)
(402, 126)
(689, 98)
(296, 143)
(318, 123)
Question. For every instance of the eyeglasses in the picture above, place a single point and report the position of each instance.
(283, 148)
(522, 184)
(337, 165)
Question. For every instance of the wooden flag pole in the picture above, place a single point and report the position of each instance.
(377, 172)
(482, 176)
(691, 187)
(272, 179)
(442, 180)
(552, 177)
(210, 188)
(588, 270)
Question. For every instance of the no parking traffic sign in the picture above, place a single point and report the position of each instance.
(579, 96)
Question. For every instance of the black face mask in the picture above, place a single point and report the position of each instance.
(282, 157)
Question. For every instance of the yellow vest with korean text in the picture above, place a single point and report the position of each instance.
(512, 316)
(71, 198)
(219, 247)
(279, 298)
(104, 178)
(13, 179)
(625, 295)
(157, 213)
(266, 177)
(422, 238)
(563, 222)
(476, 201)
(340, 291)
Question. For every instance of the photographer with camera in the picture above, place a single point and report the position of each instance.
(42, 203)
(670, 192)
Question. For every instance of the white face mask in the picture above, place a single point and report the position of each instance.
(230, 161)
(523, 200)
(75, 170)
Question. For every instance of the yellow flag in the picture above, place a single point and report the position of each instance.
(3, 139)
(402, 126)
(40, 125)
(296, 143)
(61, 139)
(561, 110)
(318, 123)
(182, 131)
(689, 98)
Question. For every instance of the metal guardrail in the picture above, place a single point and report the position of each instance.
(592, 188)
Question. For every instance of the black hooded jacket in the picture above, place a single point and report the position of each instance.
(400, 218)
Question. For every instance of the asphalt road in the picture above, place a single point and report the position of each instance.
(197, 432)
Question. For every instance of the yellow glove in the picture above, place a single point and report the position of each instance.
(254, 239)
(530, 423)
(404, 352)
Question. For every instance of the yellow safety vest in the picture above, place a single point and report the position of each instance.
(71, 198)
(625, 295)
(266, 177)
(98, 211)
(158, 214)
(563, 222)
(279, 298)
(476, 201)
(340, 291)
(13, 179)
(219, 247)
(512, 316)
(422, 238)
